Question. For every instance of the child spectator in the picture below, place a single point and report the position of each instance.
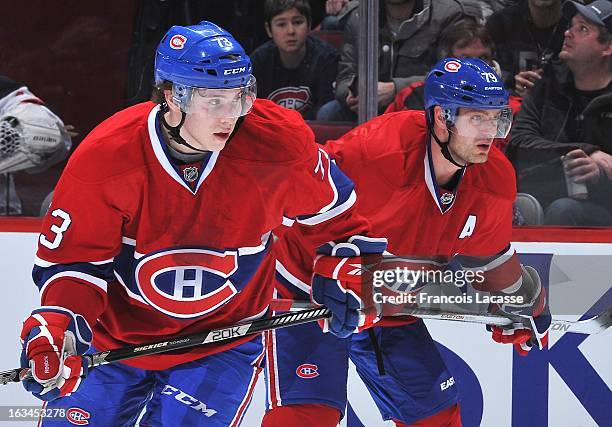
(295, 70)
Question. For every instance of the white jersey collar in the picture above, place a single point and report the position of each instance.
(444, 199)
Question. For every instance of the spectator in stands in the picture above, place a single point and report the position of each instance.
(528, 36)
(488, 7)
(464, 38)
(407, 39)
(32, 138)
(566, 123)
(332, 9)
(293, 69)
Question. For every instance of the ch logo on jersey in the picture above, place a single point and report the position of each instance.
(78, 416)
(292, 97)
(307, 370)
(452, 66)
(187, 283)
(177, 41)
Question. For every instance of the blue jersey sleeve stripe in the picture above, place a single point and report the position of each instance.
(98, 274)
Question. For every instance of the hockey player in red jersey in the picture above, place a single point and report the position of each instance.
(160, 226)
(433, 184)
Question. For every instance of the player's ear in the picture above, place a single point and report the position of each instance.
(172, 105)
(439, 118)
(608, 51)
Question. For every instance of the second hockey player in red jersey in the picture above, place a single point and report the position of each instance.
(160, 226)
(431, 182)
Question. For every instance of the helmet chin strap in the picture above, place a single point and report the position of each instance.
(444, 147)
(174, 131)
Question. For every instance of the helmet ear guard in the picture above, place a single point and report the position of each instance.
(447, 116)
(181, 95)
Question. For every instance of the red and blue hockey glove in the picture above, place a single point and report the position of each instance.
(342, 282)
(53, 340)
(534, 313)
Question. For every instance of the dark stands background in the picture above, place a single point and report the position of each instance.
(88, 59)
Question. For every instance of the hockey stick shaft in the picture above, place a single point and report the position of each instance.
(206, 337)
(303, 312)
(589, 326)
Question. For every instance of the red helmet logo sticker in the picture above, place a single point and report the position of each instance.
(452, 66)
(178, 41)
(307, 370)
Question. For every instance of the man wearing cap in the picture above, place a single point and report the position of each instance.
(561, 138)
